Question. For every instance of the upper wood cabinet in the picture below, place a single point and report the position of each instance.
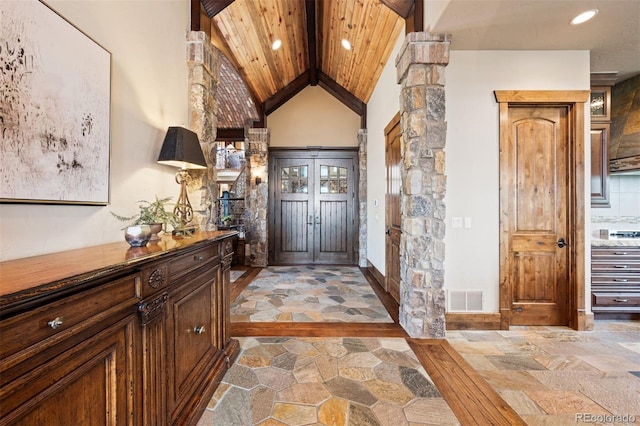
(600, 103)
(600, 165)
(600, 107)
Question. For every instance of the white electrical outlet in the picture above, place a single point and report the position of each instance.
(467, 222)
(456, 222)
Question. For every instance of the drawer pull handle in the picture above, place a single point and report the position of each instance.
(620, 280)
(621, 253)
(56, 322)
(621, 300)
(198, 258)
(621, 266)
(199, 329)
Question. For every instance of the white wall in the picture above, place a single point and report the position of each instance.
(472, 151)
(383, 105)
(313, 118)
(148, 94)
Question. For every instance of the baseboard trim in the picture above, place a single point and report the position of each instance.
(376, 274)
(472, 321)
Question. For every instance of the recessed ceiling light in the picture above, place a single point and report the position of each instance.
(584, 17)
(346, 44)
(276, 44)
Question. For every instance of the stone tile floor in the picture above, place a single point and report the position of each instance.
(557, 376)
(309, 294)
(327, 381)
(548, 375)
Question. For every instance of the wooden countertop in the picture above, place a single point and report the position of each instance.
(34, 277)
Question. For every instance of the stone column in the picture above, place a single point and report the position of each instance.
(256, 201)
(420, 67)
(204, 73)
(362, 197)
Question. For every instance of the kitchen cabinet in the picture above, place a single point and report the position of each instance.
(615, 280)
(600, 165)
(116, 335)
(600, 140)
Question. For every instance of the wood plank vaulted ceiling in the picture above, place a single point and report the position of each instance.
(311, 53)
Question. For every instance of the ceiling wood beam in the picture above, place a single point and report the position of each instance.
(342, 94)
(310, 6)
(213, 7)
(286, 93)
(229, 134)
(401, 7)
(415, 21)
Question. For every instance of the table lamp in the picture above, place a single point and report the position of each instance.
(181, 148)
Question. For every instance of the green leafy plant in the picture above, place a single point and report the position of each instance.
(150, 213)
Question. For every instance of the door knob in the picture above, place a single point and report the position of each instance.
(562, 243)
(388, 232)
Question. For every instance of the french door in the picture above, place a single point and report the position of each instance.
(313, 206)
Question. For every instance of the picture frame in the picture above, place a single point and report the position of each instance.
(55, 109)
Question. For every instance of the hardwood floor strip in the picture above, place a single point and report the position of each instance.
(314, 329)
(389, 304)
(470, 397)
(243, 281)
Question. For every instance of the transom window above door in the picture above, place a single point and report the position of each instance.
(333, 180)
(294, 179)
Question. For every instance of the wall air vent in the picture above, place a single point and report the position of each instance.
(465, 301)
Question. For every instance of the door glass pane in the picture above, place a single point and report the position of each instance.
(294, 179)
(333, 180)
(324, 186)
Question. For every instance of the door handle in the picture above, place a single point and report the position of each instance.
(388, 232)
(562, 243)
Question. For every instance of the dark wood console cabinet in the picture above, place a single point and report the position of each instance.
(116, 335)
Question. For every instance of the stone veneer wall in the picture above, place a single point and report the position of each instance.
(257, 232)
(420, 70)
(204, 72)
(362, 198)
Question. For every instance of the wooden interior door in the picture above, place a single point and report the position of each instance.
(538, 196)
(392, 203)
(314, 204)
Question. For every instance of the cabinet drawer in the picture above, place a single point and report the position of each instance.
(192, 260)
(55, 321)
(615, 254)
(616, 299)
(615, 267)
(615, 280)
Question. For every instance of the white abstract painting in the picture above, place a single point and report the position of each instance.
(54, 109)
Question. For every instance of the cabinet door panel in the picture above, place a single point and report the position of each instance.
(600, 165)
(97, 375)
(192, 313)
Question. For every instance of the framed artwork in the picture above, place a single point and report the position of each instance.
(55, 87)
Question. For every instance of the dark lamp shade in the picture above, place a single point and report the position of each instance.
(181, 148)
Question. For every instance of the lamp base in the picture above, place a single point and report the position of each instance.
(187, 230)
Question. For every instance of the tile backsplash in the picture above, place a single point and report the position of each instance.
(624, 212)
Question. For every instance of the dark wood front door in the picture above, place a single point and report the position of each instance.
(538, 192)
(392, 206)
(313, 208)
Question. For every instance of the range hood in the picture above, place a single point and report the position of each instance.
(625, 166)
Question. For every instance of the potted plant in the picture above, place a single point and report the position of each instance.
(153, 215)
